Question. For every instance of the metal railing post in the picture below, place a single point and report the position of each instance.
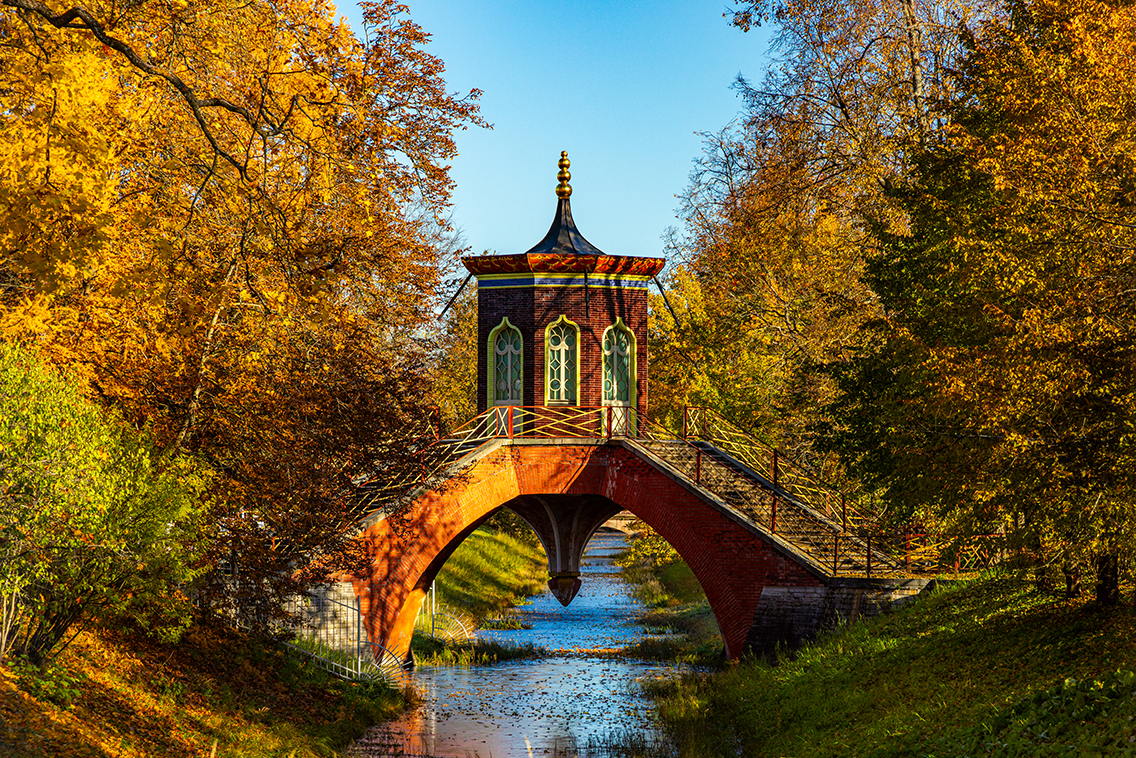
(358, 637)
(698, 467)
(509, 422)
(907, 547)
(610, 428)
(773, 514)
(835, 552)
(685, 421)
(844, 510)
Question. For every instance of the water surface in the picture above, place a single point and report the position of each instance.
(551, 706)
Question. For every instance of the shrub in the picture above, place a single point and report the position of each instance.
(92, 523)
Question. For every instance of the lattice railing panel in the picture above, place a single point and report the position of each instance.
(803, 486)
(823, 540)
(332, 633)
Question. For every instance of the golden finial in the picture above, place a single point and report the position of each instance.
(564, 189)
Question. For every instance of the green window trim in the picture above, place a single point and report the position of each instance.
(619, 365)
(510, 358)
(562, 362)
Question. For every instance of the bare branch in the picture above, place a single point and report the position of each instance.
(81, 20)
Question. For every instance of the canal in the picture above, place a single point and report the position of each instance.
(557, 705)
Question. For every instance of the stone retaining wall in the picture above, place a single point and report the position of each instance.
(791, 615)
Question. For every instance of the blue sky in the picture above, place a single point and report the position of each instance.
(622, 86)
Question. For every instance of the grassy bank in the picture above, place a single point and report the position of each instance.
(435, 652)
(490, 573)
(110, 695)
(114, 696)
(486, 577)
(677, 605)
(991, 667)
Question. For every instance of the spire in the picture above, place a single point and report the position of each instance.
(563, 236)
(564, 189)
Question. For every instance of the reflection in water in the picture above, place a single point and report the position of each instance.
(545, 707)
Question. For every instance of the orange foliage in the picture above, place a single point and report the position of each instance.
(226, 218)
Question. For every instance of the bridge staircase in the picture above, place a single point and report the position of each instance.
(786, 500)
(777, 495)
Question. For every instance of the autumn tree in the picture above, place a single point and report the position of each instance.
(1000, 395)
(453, 371)
(775, 218)
(689, 366)
(225, 219)
(769, 300)
(853, 89)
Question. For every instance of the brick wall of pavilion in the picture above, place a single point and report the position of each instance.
(533, 309)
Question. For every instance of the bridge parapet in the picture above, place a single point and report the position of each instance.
(778, 495)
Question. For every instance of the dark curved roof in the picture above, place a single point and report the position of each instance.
(563, 236)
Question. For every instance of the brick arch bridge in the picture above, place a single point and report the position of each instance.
(773, 565)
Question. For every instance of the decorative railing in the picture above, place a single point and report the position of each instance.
(752, 494)
(440, 622)
(384, 490)
(853, 531)
(930, 553)
(799, 479)
(443, 625)
(789, 499)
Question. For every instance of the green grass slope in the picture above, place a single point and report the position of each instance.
(490, 573)
(678, 606)
(990, 667)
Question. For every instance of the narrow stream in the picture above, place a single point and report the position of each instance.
(553, 706)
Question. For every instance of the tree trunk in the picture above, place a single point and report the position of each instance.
(915, 52)
(1072, 573)
(1108, 579)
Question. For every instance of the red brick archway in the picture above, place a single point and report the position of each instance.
(731, 560)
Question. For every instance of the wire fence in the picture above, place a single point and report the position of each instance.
(325, 625)
(331, 633)
(442, 623)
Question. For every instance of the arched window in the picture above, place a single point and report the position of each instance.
(618, 365)
(506, 349)
(562, 358)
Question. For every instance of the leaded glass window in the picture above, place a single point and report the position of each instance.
(506, 357)
(618, 365)
(561, 347)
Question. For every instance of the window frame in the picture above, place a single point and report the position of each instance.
(574, 392)
(632, 372)
(491, 366)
